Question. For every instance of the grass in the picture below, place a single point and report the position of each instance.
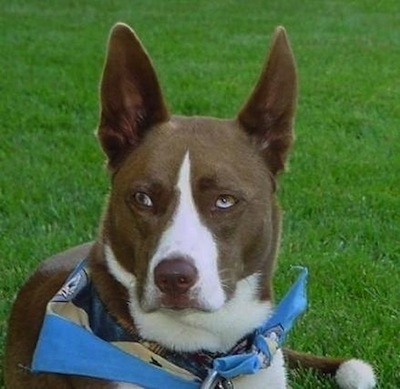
(341, 196)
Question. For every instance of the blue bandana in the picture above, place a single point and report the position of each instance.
(80, 337)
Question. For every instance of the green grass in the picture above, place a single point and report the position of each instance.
(341, 196)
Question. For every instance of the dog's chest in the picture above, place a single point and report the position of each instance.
(272, 378)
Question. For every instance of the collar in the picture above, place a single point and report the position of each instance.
(79, 337)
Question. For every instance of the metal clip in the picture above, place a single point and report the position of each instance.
(215, 381)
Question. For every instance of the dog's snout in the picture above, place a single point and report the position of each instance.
(175, 276)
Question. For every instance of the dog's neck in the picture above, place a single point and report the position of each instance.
(188, 330)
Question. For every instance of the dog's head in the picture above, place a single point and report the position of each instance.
(192, 215)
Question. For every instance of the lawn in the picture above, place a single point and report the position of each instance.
(341, 195)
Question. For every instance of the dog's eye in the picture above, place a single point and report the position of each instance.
(143, 199)
(225, 201)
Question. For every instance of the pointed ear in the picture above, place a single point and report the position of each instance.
(131, 98)
(268, 115)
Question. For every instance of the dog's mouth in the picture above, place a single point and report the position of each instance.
(176, 302)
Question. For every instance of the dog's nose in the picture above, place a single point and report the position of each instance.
(175, 276)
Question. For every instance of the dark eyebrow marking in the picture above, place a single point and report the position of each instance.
(207, 182)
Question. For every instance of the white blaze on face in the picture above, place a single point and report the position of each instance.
(187, 236)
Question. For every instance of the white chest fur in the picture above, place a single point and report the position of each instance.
(272, 378)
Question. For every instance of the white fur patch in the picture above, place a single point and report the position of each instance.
(188, 237)
(191, 330)
(274, 377)
(120, 274)
(355, 374)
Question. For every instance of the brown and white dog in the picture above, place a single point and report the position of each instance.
(187, 245)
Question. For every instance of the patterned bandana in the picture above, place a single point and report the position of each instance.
(80, 337)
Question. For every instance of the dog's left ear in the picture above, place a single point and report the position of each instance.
(131, 97)
(268, 114)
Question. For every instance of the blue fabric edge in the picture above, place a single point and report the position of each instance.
(64, 347)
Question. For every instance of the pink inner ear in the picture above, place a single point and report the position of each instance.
(131, 97)
(269, 112)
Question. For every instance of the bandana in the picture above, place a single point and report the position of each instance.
(79, 337)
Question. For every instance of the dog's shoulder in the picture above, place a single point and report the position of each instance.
(51, 273)
(28, 311)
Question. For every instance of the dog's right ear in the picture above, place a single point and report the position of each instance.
(131, 98)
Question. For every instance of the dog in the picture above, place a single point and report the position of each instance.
(185, 255)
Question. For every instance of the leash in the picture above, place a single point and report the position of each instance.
(215, 381)
(69, 342)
